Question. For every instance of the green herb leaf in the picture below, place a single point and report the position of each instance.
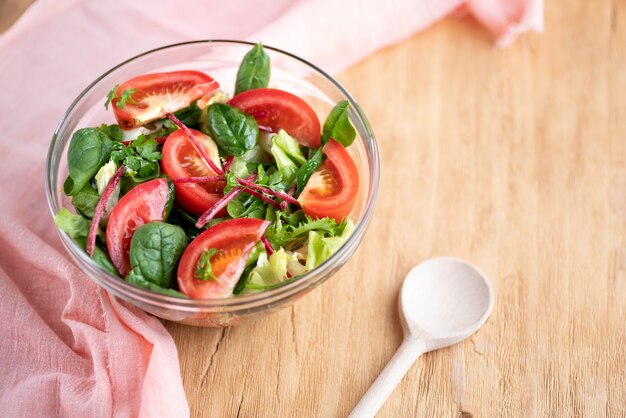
(110, 96)
(307, 169)
(147, 148)
(204, 270)
(337, 125)
(89, 150)
(141, 159)
(154, 251)
(234, 131)
(126, 97)
(85, 200)
(254, 71)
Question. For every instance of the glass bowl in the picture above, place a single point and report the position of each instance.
(220, 59)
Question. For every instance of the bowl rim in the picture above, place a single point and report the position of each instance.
(282, 291)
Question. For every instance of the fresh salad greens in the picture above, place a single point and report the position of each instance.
(261, 193)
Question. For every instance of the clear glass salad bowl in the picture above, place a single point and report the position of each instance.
(220, 59)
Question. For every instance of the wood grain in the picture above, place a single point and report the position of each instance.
(10, 10)
(513, 159)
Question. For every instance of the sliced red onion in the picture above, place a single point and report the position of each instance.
(262, 197)
(196, 144)
(268, 245)
(228, 162)
(219, 205)
(267, 190)
(99, 210)
(201, 179)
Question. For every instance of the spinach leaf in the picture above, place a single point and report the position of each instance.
(100, 256)
(337, 125)
(254, 71)
(185, 221)
(112, 131)
(307, 169)
(189, 116)
(138, 280)
(86, 200)
(154, 251)
(243, 280)
(250, 264)
(234, 131)
(89, 150)
(77, 227)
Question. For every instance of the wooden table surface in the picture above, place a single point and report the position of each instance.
(513, 159)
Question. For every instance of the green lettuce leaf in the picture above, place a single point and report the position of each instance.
(273, 270)
(320, 248)
(290, 146)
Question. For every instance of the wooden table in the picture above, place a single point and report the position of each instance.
(513, 159)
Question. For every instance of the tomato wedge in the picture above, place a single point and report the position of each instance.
(332, 189)
(233, 240)
(160, 93)
(145, 203)
(278, 109)
(181, 159)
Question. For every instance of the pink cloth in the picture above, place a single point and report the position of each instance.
(68, 348)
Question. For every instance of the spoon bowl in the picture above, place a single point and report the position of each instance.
(442, 302)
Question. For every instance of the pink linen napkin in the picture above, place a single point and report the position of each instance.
(68, 348)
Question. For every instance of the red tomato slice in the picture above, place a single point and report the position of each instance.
(160, 93)
(332, 189)
(145, 203)
(234, 240)
(277, 110)
(181, 159)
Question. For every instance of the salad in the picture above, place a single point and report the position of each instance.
(200, 195)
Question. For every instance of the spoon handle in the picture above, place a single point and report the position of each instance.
(389, 378)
